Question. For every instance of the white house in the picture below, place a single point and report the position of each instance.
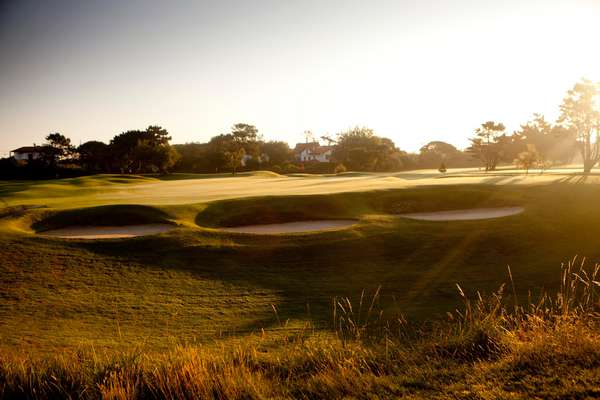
(313, 151)
(27, 153)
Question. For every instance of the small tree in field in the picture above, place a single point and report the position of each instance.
(235, 158)
(528, 159)
(489, 144)
(339, 169)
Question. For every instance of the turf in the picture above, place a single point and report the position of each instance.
(196, 283)
(199, 188)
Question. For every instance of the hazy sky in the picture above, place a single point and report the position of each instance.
(412, 70)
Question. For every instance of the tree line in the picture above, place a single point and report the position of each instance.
(541, 144)
(536, 144)
(134, 151)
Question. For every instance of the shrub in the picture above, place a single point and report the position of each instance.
(319, 167)
(340, 168)
(277, 169)
(291, 169)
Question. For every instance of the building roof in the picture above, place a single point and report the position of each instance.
(300, 147)
(322, 149)
(28, 149)
(313, 147)
(36, 149)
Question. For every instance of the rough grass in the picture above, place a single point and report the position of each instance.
(490, 348)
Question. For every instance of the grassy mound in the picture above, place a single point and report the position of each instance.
(117, 215)
(274, 210)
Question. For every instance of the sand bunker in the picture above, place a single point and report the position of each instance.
(463, 215)
(108, 232)
(293, 227)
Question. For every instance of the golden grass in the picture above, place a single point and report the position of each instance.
(180, 189)
(490, 348)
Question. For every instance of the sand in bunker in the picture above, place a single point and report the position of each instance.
(463, 215)
(108, 232)
(293, 227)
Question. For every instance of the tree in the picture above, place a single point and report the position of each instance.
(489, 144)
(359, 149)
(61, 144)
(235, 158)
(580, 111)
(277, 153)
(195, 157)
(122, 148)
(94, 156)
(442, 168)
(564, 145)
(553, 143)
(144, 151)
(529, 158)
(153, 158)
(225, 149)
(218, 146)
(245, 136)
(436, 152)
(157, 136)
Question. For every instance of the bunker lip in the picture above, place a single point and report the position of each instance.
(107, 232)
(293, 227)
(465, 215)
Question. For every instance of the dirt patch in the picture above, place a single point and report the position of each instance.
(464, 215)
(293, 227)
(107, 232)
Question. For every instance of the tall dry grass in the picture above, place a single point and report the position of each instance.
(491, 347)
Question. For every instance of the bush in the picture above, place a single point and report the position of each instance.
(37, 169)
(277, 169)
(291, 169)
(319, 168)
(340, 168)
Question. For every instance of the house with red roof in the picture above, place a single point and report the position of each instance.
(313, 151)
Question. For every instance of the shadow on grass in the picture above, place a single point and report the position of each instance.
(10, 188)
(112, 215)
(576, 178)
